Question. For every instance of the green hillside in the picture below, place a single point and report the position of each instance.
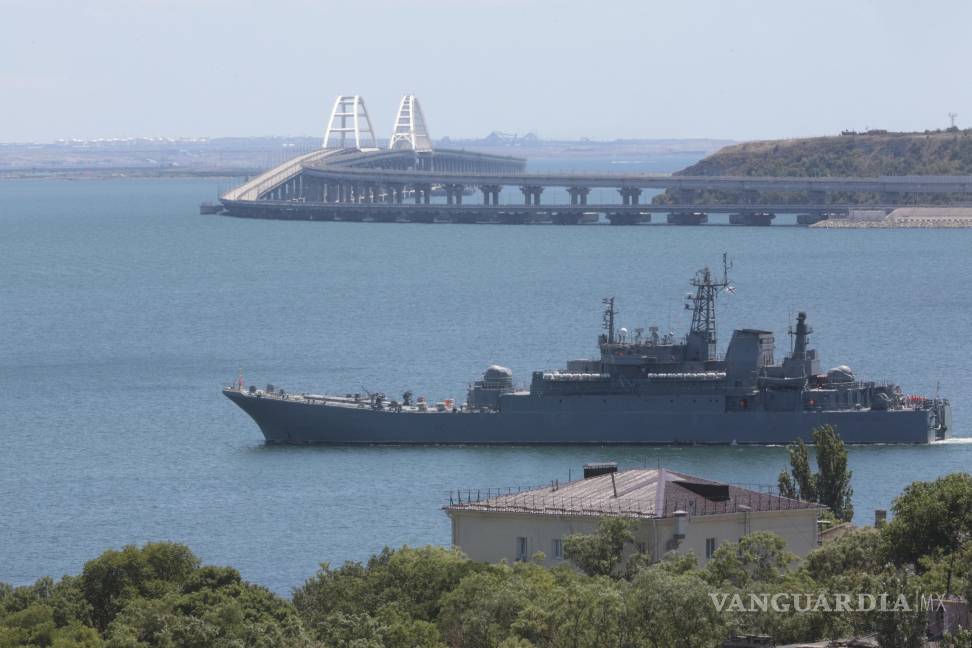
(854, 154)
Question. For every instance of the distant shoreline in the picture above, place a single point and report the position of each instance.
(239, 157)
(123, 174)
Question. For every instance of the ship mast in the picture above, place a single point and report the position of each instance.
(702, 335)
(608, 318)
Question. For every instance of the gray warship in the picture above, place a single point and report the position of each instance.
(643, 389)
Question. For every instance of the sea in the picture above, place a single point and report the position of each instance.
(123, 312)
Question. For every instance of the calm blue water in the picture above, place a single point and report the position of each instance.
(122, 312)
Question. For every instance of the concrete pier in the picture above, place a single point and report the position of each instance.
(688, 218)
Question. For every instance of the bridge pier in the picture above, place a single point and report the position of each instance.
(423, 193)
(628, 218)
(578, 195)
(453, 194)
(490, 194)
(629, 195)
(420, 216)
(384, 216)
(567, 217)
(531, 194)
(352, 215)
(512, 217)
(752, 218)
(688, 218)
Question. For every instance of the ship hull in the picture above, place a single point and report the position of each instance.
(298, 422)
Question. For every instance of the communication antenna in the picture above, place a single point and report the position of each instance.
(952, 117)
(608, 320)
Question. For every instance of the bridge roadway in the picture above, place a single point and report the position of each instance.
(882, 184)
(693, 214)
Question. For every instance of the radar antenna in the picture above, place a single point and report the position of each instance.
(608, 318)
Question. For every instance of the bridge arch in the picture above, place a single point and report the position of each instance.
(350, 122)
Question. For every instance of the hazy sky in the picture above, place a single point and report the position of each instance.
(727, 69)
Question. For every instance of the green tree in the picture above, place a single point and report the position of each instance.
(833, 481)
(668, 610)
(929, 518)
(901, 628)
(399, 592)
(830, 485)
(803, 483)
(758, 557)
(599, 553)
(861, 550)
(501, 601)
(116, 577)
(961, 639)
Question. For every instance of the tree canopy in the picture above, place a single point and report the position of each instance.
(599, 554)
(831, 484)
(160, 596)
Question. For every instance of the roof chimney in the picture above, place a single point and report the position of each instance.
(880, 518)
(596, 469)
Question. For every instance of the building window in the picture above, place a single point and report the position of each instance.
(521, 548)
(557, 549)
(710, 547)
(642, 547)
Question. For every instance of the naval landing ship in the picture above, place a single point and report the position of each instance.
(644, 389)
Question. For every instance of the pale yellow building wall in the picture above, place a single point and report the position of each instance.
(797, 527)
(492, 537)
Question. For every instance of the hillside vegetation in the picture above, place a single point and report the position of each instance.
(935, 153)
(161, 596)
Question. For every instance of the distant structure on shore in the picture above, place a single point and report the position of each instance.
(351, 178)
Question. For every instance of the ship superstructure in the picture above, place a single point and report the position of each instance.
(642, 389)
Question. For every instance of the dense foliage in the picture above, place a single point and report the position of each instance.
(156, 595)
(160, 596)
(830, 485)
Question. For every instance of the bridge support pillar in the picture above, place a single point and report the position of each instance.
(628, 218)
(422, 194)
(569, 217)
(531, 194)
(688, 218)
(752, 218)
(490, 194)
(453, 194)
(629, 195)
(578, 195)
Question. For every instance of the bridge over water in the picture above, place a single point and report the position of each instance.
(350, 178)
